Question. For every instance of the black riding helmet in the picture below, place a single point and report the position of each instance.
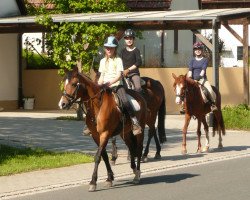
(129, 33)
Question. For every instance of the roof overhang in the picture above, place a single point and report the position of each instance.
(186, 19)
(11, 8)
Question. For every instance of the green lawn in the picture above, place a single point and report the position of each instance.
(17, 160)
(237, 117)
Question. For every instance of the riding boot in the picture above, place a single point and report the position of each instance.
(213, 106)
(136, 126)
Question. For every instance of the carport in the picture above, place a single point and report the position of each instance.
(160, 20)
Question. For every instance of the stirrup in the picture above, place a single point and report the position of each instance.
(213, 107)
(136, 129)
(86, 131)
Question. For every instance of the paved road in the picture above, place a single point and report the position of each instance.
(40, 129)
(223, 180)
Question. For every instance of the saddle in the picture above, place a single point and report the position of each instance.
(205, 94)
(129, 84)
(132, 101)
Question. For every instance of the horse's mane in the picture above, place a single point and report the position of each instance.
(192, 82)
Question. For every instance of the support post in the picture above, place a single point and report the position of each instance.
(215, 54)
(245, 62)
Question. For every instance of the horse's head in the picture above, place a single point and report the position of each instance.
(72, 89)
(179, 87)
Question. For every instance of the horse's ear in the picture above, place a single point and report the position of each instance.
(66, 71)
(75, 71)
(174, 76)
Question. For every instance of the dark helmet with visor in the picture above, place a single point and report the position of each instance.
(129, 33)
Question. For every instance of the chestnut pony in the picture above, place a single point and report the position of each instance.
(154, 94)
(187, 90)
(105, 120)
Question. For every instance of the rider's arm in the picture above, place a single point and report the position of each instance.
(138, 61)
(189, 74)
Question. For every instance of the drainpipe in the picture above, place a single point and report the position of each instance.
(162, 48)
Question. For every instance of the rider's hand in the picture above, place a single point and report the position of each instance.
(125, 72)
(105, 85)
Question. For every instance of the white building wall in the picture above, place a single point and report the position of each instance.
(8, 67)
(229, 54)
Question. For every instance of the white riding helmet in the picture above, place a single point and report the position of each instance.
(111, 41)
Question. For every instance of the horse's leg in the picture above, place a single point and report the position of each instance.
(92, 184)
(109, 170)
(184, 134)
(206, 129)
(139, 148)
(102, 141)
(146, 150)
(199, 136)
(114, 154)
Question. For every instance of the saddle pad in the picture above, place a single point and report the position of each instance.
(133, 102)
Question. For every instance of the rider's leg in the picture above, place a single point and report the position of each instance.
(211, 95)
(122, 94)
(137, 83)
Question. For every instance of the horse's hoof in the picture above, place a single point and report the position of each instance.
(220, 146)
(157, 156)
(137, 176)
(92, 188)
(136, 181)
(144, 159)
(112, 162)
(184, 152)
(199, 150)
(205, 149)
(108, 184)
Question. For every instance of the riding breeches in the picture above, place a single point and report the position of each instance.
(207, 85)
(137, 82)
(122, 94)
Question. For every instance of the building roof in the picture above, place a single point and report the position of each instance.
(183, 19)
(184, 15)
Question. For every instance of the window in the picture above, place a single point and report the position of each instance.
(240, 52)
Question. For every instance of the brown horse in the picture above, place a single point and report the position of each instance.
(188, 90)
(105, 120)
(154, 94)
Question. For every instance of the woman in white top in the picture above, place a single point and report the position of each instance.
(111, 68)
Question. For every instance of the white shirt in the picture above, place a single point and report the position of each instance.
(111, 68)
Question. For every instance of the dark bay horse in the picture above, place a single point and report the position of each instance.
(105, 120)
(188, 90)
(154, 94)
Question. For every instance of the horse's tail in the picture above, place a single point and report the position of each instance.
(218, 121)
(161, 120)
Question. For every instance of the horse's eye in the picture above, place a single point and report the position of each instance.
(74, 84)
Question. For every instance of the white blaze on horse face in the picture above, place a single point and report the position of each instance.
(61, 100)
(178, 93)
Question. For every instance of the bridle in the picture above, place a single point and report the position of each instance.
(72, 98)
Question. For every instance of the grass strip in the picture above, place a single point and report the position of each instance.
(17, 160)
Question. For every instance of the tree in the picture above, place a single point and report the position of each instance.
(77, 43)
(71, 44)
